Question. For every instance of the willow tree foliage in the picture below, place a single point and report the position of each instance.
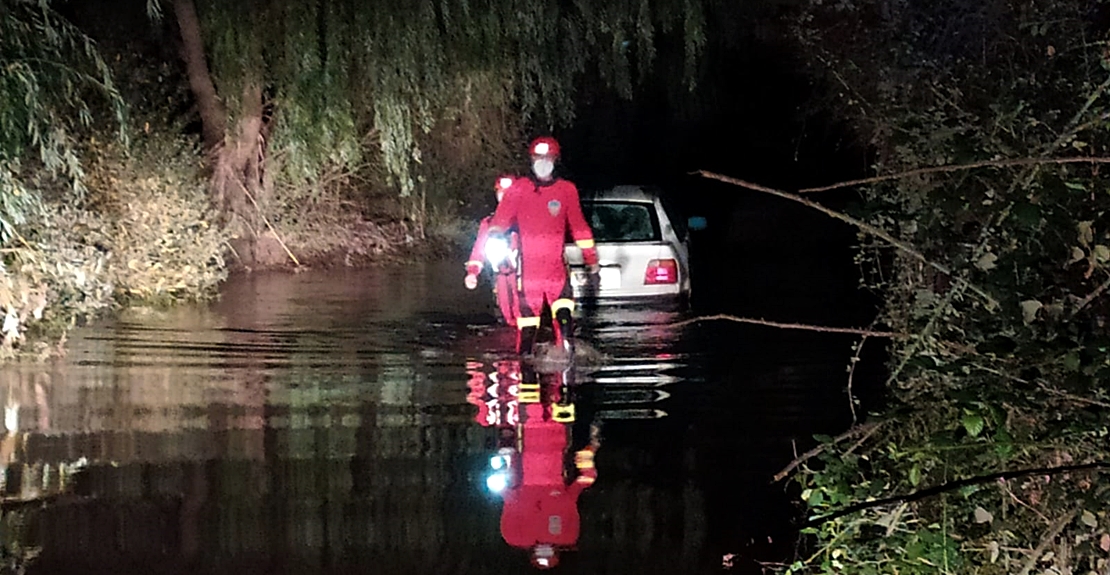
(333, 73)
(49, 74)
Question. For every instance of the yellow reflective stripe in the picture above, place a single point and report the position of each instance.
(585, 244)
(585, 465)
(562, 413)
(563, 303)
(523, 322)
(585, 479)
(528, 393)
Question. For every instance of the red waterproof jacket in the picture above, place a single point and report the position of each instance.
(543, 212)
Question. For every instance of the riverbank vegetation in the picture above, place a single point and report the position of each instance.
(150, 147)
(993, 452)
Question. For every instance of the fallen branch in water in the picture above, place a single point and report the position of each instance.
(956, 168)
(866, 430)
(862, 225)
(781, 325)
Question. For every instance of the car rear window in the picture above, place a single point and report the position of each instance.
(615, 221)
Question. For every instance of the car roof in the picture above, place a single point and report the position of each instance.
(626, 193)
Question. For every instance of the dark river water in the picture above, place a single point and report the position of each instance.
(328, 422)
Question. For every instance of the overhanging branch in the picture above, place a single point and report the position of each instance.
(864, 226)
(956, 168)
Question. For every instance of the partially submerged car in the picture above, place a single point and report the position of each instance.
(642, 246)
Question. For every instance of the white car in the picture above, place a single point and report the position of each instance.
(643, 248)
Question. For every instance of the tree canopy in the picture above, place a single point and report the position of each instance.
(334, 71)
(49, 74)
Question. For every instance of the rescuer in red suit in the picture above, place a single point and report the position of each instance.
(543, 208)
(540, 510)
(505, 275)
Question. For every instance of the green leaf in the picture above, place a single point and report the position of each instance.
(968, 490)
(1101, 253)
(973, 424)
(1072, 361)
(915, 475)
(816, 498)
(1029, 309)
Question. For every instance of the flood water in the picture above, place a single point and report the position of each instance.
(329, 422)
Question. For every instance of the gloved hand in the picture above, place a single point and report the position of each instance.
(589, 256)
(472, 271)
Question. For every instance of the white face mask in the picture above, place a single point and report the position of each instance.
(543, 167)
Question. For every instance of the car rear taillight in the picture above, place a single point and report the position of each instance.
(661, 272)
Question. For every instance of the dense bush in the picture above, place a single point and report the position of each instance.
(144, 234)
(1005, 360)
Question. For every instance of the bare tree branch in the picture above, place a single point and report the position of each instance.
(866, 430)
(864, 226)
(956, 168)
(1090, 297)
(1050, 535)
(781, 325)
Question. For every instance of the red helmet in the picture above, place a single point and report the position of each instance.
(544, 146)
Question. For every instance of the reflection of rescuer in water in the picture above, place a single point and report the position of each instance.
(540, 511)
(543, 209)
(503, 256)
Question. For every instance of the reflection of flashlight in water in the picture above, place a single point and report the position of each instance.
(11, 418)
(497, 482)
(502, 460)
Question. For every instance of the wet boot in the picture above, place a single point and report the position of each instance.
(526, 339)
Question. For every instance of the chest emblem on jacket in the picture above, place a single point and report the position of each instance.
(553, 206)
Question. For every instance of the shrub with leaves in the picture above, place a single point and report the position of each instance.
(144, 236)
(157, 222)
(1002, 296)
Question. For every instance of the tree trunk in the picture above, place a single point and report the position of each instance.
(212, 113)
(236, 158)
(237, 174)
